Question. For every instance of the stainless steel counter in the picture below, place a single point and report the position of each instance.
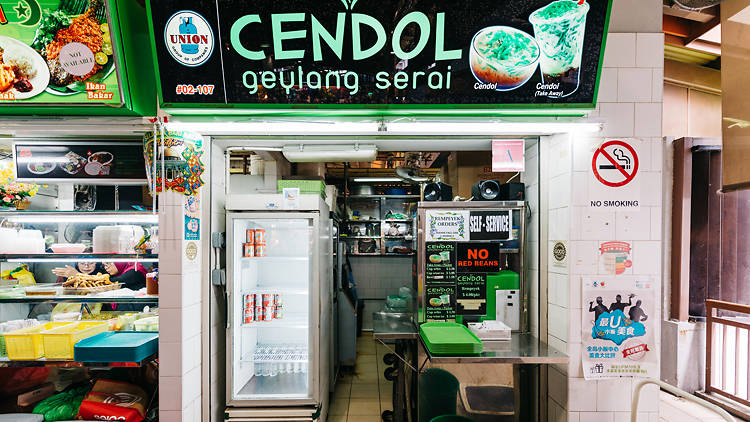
(521, 349)
(394, 330)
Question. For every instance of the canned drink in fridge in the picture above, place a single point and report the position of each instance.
(266, 299)
(278, 312)
(276, 299)
(248, 250)
(268, 312)
(260, 250)
(249, 308)
(250, 236)
(259, 312)
(260, 236)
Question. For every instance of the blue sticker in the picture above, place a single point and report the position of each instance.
(616, 327)
(192, 228)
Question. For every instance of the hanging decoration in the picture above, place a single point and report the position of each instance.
(179, 160)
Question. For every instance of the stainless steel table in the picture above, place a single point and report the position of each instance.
(522, 349)
(402, 335)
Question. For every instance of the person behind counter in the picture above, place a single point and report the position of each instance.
(131, 274)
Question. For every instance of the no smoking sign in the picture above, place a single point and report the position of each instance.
(614, 170)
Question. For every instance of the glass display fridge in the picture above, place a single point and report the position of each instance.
(279, 292)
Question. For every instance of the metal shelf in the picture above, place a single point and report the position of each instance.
(359, 237)
(80, 299)
(63, 257)
(382, 196)
(6, 362)
(390, 220)
(406, 238)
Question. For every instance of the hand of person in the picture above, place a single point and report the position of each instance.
(591, 303)
(110, 267)
(631, 295)
(66, 271)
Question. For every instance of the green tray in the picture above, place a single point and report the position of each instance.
(449, 338)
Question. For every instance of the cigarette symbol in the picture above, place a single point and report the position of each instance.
(622, 159)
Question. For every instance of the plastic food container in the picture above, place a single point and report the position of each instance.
(116, 239)
(91, 290)
(147, 324)
(59, 342)
(117, 347)
(43, 290)
(68, 247)
(26, 344)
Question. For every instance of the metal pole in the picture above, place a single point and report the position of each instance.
(677, 392)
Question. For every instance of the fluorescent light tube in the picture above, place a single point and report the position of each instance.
(489, 128)
(85, 218)
(376, 179)
(32, 260)
(302, 153)
(278, 128)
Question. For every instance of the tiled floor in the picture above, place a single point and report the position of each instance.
(363, 396)
(675, 409)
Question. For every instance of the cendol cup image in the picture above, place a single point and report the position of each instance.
(559, 28)
(503, 56)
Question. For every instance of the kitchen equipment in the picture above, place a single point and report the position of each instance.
(437, 191)
(280, 369)
(503, 298)
(371, 229)
(512, 191)
(490, 330)
(117, 239)
(67, 247)
(363, 190)
(367, 246)
(486, 190)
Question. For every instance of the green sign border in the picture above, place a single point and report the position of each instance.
(136, 80)
(327, 110)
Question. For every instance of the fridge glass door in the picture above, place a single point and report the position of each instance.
(271, 302)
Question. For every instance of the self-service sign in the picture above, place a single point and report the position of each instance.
(490, 225)
(475, 257)
(613, 181)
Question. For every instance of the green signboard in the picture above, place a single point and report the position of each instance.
(73, 57)
(340, 55)
(58, 51)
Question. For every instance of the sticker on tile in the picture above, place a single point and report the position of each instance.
(614, 258)
(618, 337)
(560, 254)
(613, 176)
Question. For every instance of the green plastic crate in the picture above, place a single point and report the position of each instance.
(305, 186)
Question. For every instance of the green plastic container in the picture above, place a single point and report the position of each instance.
(438, 394)
(452, 418)
(449, 339)
(316, 187)
(504, 280)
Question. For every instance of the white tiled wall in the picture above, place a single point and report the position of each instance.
(630, 107)
(180, 318)
(530, 178)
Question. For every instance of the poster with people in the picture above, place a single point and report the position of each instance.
(619, 328)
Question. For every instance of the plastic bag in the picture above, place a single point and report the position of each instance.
(114, 400)
(63, 406)
(22, 274)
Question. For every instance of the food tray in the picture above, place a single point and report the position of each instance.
(43, 290)
(117, 346)
(450, 338)
(91, 290)
(26, 344)
(59, 342)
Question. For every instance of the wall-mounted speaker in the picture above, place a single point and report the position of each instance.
(513, 191)
(486, 190)
(437, 191)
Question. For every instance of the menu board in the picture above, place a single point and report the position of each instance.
(440, 262)
(534, 53)
(83, 162)
(471, 294)
(441, 302)
(57, 52)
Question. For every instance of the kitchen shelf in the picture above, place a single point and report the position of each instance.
(80, 299)
(392, 220)
(279, 323)
(275, 258)
(6, 362)
(272, 290)
(56, 217)
(359, 237)
(409, 238)
(381, 196)
(382, 254)
(65, 257)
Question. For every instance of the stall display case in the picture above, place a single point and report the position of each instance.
(59, 313)
(381, 225)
